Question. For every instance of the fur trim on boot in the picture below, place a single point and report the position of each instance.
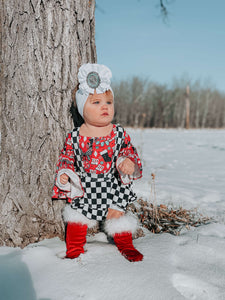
(73, 216)
(126, 223)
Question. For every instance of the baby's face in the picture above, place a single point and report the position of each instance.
(99, 109)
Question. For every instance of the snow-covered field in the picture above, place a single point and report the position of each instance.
(189, 168)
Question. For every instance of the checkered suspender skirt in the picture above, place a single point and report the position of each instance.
(101, 190)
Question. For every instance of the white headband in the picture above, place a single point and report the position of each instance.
(92, 77)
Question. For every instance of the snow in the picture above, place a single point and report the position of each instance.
(189, 168)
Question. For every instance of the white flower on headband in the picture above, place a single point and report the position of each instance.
(94, 77)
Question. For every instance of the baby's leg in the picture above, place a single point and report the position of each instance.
(75, 239)
(121, 230)
(76, 231)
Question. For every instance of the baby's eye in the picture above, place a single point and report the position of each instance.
(96, 102)
(109, 102)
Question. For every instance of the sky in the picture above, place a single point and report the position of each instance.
(133, 40)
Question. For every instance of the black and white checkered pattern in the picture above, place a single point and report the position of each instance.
(101, 190)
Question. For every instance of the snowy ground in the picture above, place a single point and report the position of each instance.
(189, 168)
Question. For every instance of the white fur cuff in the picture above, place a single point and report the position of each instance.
(74, 187)
(73, 216)
(126, 223)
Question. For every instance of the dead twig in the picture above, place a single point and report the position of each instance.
(168, 220)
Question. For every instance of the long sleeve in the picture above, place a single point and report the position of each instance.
(65, 162)
(67, 157)
(129, 151)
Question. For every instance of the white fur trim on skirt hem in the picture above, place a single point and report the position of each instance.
(71, 215)
(126, 223)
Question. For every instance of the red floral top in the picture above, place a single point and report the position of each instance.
(97, 153)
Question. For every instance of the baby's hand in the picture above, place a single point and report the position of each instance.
(127, 166)
(63, 179)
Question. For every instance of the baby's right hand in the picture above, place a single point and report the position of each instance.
(64, 178)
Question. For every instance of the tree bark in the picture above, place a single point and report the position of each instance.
(44, 42)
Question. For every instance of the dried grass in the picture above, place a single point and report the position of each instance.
(161, 218)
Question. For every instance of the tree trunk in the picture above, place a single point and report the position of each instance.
(44, 42)
(187, 107)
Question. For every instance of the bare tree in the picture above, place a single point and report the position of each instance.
(142, 104)
(43, 44)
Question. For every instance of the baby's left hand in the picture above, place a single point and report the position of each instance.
(127, 166)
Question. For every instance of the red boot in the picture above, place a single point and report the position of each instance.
(75, 239)
(125, 245)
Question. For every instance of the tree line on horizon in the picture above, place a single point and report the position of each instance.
(140, 103)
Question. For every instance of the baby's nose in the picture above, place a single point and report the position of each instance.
(104, 106)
